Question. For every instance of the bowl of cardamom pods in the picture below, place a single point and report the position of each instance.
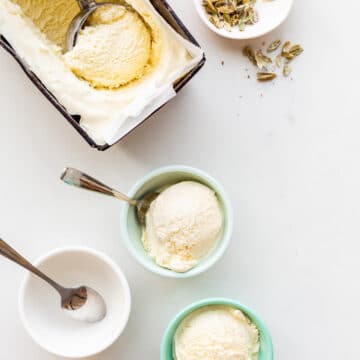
(243, 19)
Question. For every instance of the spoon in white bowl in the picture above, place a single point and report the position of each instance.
(87, 7)
(82, 303)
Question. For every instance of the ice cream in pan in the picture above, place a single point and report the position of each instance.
(120, 70)
(113, 50)
(183, 225)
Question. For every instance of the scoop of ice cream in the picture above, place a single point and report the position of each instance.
(106, 14)
(216, 333)
(182, 225)
(112, 50)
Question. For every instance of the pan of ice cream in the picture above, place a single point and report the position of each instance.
(119, 73)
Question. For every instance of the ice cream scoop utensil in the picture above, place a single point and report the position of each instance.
(72, 299)
(87, 7)
(78, 178)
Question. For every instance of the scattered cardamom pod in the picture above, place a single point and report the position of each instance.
(262, 60)
(290, 52)
(287, 53)
(249, 53)
(273, 46)
(288, 56)
(265, 76)
(286, 47)
(287, 70)
(296, 50)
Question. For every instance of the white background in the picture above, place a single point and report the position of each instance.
(287, 153)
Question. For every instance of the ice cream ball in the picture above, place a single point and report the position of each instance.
(183, 225)
(216, 332)
(112, 50)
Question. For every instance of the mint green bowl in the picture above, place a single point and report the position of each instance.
(266, 347)
(131, 230)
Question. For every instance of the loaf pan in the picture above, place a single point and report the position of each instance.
(168, 14)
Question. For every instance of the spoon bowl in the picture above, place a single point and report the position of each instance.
(143, 205)
(84, 304)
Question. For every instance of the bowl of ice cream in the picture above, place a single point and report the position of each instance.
(188, 226)
(53, 329)
(216, 329)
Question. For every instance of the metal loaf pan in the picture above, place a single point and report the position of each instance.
(164, 9)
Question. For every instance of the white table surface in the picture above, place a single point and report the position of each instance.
(288, 154)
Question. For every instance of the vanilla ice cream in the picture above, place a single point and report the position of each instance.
(216, 333)
(113, 49)
(119, 72)
(183, 225)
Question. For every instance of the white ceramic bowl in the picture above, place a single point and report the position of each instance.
(272, 13)
(50, 327)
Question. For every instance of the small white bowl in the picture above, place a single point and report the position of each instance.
(272, 13)
(50, 327)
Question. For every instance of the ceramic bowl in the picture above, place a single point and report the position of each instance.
(266, 347)
(46, 322)
(271, 15)
(132, 231)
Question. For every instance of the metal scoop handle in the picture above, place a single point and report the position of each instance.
(86, 4)
(87, 7)
(80, 179)
(7, 251)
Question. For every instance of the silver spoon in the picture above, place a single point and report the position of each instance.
(87, 7)
(78, 178)
(73, 300)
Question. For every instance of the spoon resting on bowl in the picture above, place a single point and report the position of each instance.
(82, 303)
(79, 179)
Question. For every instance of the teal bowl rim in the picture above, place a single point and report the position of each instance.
(167, 340)
(223, 242)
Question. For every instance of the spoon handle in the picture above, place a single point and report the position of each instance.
(79, 179)
(7, 251)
